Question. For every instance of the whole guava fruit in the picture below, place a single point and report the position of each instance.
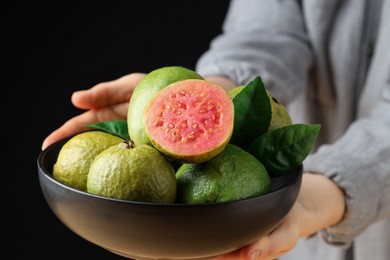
(279, 117)
(233, 174)
(190, 121)
(152, 83)
(129, 172)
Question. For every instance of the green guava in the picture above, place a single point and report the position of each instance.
(280, 116)
(233, 174)
(76, 156)
(190, 121)
(152, 83)
(137, 173)
(234, 91)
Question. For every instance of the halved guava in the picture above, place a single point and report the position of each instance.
(190, 120)
(152, 83)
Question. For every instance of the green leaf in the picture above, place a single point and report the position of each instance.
(284, 149)
(252, 113)
(115, 127)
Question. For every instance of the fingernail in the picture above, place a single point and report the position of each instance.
(255, 254)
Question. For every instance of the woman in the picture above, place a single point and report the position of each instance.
(329, 63)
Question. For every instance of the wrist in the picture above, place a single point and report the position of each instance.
(322, 201)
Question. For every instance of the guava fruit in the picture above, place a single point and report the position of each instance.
(152, 83)
(234, 91)
(280, 116)
(129, 172)
(233, 174)
(190, 121)
(76, 156)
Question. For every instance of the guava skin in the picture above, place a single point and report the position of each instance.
(136, 173)
(280, 116)
(233, 174)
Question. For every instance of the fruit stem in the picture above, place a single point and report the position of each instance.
(129, 144)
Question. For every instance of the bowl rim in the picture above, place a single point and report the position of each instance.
(43, 172)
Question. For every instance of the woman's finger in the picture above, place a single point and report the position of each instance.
(107, 93)
(282, 239)
(78, 123)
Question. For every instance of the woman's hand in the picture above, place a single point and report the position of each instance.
(103, 102)
(277, 243)
(320, 204)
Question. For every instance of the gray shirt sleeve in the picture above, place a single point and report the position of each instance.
(266, 38)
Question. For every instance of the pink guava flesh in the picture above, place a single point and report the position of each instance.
(190, 120)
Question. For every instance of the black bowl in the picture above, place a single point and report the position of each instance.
(166, 231)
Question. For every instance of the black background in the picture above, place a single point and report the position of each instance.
(51, 50)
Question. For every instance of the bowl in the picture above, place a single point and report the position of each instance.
(141, 230)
